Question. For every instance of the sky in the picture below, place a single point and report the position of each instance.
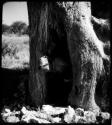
(14, 11)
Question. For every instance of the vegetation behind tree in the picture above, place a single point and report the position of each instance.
(18, 28)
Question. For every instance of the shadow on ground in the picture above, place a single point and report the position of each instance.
(14, 84)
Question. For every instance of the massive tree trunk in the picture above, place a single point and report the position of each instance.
(85, 48)
(86, 56)
(37, 82)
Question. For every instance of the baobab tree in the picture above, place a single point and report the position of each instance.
(56, 25)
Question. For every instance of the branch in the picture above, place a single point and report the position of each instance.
(104, 23)
(100, 46)
(102, 28)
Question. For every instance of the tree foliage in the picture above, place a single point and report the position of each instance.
(17, 27)
(5, 28)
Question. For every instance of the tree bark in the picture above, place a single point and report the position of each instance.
(37, 80)
(86, 52)
(45, 40)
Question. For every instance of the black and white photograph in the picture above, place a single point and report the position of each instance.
(56, 62)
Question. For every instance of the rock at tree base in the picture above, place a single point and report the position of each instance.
(50, 114)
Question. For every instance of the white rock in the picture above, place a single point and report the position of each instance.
(12, 119)
(60, 110)
(79, 111)
(16, 112)
(24, 110)
(26, 118)
(90, 116)
(76, 119)
(71, 111)
(56, 120)
(48, 109)
(79, 119)
(105, 115)
(30, 117)
(53, 110)
(34, 115)
(7, 110)
(69, 115)
(44, 63)
(39, 120)
(6, 113)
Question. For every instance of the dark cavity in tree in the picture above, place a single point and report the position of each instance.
(59, 79)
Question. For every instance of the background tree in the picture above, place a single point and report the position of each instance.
(86, 49)
(5, 28)
(18, 27)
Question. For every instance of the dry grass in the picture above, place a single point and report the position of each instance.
(15, 51)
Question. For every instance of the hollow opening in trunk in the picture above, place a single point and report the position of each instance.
(59, 79)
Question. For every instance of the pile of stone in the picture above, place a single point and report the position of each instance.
(50, 114)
